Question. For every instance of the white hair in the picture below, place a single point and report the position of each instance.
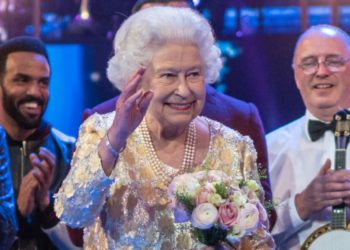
(144, 32)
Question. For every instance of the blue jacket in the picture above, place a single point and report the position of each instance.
(8, 222)
(30, 233)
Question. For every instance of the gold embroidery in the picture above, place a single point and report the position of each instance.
(135, 213)
(226, 156)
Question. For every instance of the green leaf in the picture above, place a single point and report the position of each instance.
(186, 200)
(221, 190)
(242, 183)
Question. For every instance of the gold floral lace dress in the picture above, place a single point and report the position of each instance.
(129, 209)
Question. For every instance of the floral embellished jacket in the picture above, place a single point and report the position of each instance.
(129, 209)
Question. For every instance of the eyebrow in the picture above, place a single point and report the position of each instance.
(46, 78)
(315, 57)
(172, 69)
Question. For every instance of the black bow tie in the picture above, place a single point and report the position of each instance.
(317, 129)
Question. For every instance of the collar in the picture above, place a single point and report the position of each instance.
(39, 134)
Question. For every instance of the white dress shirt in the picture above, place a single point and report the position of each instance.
(294, 160)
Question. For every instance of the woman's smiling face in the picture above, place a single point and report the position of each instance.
(176, 77)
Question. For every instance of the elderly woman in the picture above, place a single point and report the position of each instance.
(125, 160)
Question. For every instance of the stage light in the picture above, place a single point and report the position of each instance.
(196, 2)
(3, 34)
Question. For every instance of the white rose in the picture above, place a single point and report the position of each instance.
(185, 184)
(248, 219)
(204, 216)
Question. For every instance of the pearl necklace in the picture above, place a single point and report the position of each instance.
(157, 166)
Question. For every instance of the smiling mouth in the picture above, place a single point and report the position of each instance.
(181, 106)
(323, 86)
(31, 108)
(31, 105)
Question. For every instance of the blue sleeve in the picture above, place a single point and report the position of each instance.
(8, 222)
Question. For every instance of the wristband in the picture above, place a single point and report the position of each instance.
(112, 150)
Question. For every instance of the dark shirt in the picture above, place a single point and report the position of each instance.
(30, 234)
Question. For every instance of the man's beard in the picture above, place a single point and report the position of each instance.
(10, 108)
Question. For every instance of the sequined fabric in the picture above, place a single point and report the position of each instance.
(8, 222)
(129, 209)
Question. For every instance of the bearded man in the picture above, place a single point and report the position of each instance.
(39, 154)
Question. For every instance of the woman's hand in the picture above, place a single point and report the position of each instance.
(130, 109)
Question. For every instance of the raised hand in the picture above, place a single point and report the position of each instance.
(43, 170)
(328, 188)
(130, 109)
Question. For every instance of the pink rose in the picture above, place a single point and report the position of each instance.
(228, 214)
(204, 192)
(204, 216)
(248, 219)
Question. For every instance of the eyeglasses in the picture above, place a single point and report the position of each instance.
(333, 64)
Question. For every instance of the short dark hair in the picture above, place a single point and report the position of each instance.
(20, 44)
(139, 3)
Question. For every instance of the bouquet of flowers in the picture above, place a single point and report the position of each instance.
(220, 208)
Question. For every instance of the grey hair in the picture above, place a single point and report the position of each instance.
(322, 29)
(144, 32)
